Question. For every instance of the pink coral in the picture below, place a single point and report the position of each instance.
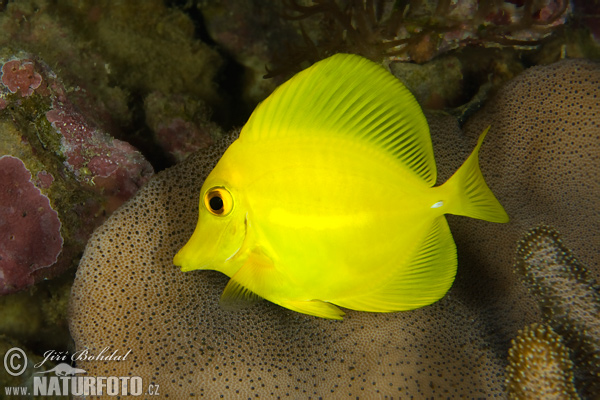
(20, 75)
(110, 166)
(30, 227)
(63, 136)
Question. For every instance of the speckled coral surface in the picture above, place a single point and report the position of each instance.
(568, 298)
(539, 366)
(128, 295)
(541, 158)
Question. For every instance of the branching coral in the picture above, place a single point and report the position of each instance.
(539, 366)
(569, 299)
(357, 24)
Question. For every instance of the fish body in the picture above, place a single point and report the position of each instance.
(327, 198)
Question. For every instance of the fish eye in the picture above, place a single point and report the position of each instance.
(218, 201)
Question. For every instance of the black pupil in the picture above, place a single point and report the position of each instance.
(216, 203)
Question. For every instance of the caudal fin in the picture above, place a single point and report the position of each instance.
(473, 197)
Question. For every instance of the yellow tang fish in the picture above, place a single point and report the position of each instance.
(327, 198)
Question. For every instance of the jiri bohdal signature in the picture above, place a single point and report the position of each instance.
(83, 355)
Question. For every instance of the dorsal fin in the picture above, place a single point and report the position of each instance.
(350, 96)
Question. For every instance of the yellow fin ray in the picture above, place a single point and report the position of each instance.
(475, 199)
(242, 288)
(315, 308)
(256, 273)
(423, 281)
(236, 296)
(351, 97)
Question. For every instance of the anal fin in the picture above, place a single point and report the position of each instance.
(316, 308)
(425, 279)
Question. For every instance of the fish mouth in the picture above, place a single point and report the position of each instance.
(188, 266)
(193, 256)
(178, 260)
(187, 257)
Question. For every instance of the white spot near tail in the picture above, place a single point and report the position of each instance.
(438, 204)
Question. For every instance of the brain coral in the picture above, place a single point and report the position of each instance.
(128, 295)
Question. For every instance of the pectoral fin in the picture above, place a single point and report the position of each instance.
(237, 297)
(256, 280)
(251, 279)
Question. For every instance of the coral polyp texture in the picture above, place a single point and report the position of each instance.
(541, 160)
(29, 226)
(539, 366)
(568, 297)
(128, 295)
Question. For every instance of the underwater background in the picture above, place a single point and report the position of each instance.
(112, 113)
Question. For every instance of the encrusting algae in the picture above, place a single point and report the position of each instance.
(327, 198)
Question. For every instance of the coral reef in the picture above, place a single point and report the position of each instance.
(539, 366)
(423, 29)
(254, 34)
(83, 173)
(182, 125)
(85, 84)
(568, 297)
(111, 56)
(20, 76)
(37, 317)
(181, 339)
(74, 81)
(110, 166)
(436, 85)
(540, 159)
(541, 164)
(483, 43)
